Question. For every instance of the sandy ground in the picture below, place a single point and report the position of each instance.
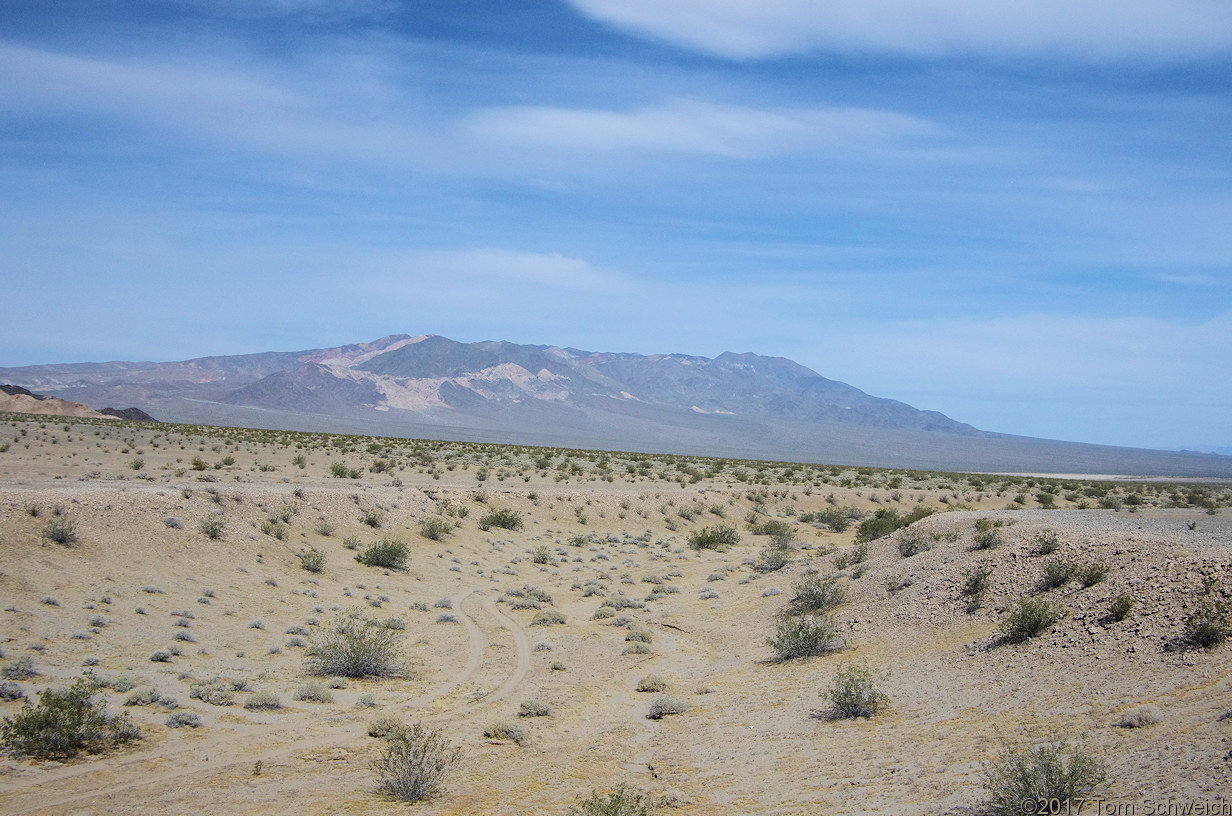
(754, 738)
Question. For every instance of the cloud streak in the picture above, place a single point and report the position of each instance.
(700, 128)
(1089, 30)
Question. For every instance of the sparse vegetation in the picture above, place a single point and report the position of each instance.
(212, 528)
(62, 531)
(311, 559)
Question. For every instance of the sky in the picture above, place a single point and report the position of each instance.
(1017, 213)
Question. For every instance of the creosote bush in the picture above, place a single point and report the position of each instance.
(311, 559)
(1121, 606)
(505, 519)
(354, 646)
(623, 800)
(975, 582)
(1028, 618)
(435, 528)
(1038, 779)
(64, 723)
(62, 531)
(1207, 625)
(854, 693)
(815, 593)
(414, 764)
(386, 554)
(213, 528)
(719, 537)
(805, 636)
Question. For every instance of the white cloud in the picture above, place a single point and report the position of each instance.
(486, 267)
(1088, 29)
(703, 128)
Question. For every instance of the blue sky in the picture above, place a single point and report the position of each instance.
(1017, 213)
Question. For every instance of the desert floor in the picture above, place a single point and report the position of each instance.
(596, 527)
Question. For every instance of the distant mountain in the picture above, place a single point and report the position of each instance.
(743, 405)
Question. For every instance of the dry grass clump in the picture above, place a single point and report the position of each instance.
(505, 730)
(665, 705)
(652, 683)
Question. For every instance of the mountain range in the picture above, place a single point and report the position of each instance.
(734, 405)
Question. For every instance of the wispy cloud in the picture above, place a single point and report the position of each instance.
(1092, 29)
(689, 126)
(499, 268)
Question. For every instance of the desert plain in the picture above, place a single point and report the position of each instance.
(185, 571)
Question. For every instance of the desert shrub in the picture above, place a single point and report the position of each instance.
(640, 634)
(386, 554)
(1121, 606)
(1047, 541)
(365, 701)
(263, 701)
(311, 559)
(719, 537)
(651, 683)
(1038, 779)
(1057, 571)
(215, 692)
(1091, 574)
(10, 691)
(384, 726)
(854, 693)
(541, 555)
(144, 696)
(804, 636)
(21, 668)
(352, 543)
(355, 646)
(547, 617)
(813, 593)
(833, 517)
(1207, 625)
(885, 521)
(637, 647)
(325, 528)
(505, 730)
(313, 691)
(435, 528)
(771, 559)
(665, 705)
(913, 542)
(414, 764)
(975, 582)
(372, 517)
(64, 723)
(212, 528)
(534, 708)
(1028, 618)
(620, 801)
(505, 519)
(988, 533)
(447, 617)
(62, 531)
(1140, 717)
(161, 656)
(182, 719)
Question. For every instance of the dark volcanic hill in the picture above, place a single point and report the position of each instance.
(742, 405)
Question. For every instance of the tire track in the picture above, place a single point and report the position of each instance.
(225, 743)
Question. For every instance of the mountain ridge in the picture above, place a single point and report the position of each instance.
(735, 404)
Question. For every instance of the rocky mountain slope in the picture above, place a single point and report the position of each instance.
(743, 405)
